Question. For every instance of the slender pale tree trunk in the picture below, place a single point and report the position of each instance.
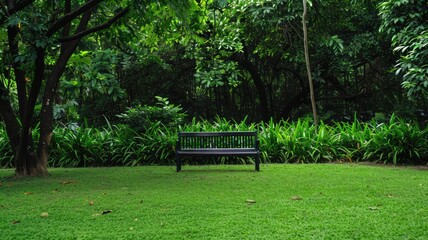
(308, 64)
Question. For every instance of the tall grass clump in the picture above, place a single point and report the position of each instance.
(158, 145)
(397, 142)
(300, 142)
(352, 139)
(273, 140)
(83, 147)
(394, 142)
(115, 145)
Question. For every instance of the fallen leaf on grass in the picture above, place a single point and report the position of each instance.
(28, 193)
(373, 208)
(250, 201)
(67, 182)
(296, 198)
(44, 215)
(91, 203)
(106, 212)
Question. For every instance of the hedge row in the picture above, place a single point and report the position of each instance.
(394, 142)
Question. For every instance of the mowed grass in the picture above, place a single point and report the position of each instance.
(311, 201)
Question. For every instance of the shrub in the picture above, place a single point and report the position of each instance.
(141, 118)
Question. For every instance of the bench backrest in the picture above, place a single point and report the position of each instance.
(212, 140)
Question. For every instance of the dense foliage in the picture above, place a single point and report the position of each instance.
(406, 21)
(392, 142)
(242, 59)
(77, 63)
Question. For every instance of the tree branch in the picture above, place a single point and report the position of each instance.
(70, 16)
(96, 28)
(14, 8)
(67, 27)
(20, 5)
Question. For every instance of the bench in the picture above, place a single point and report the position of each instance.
(217, 144)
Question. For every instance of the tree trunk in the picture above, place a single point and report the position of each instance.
(27, 163)
(46, 114)
(308, 65)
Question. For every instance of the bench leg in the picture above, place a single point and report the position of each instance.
(178, 163)
(257, 163)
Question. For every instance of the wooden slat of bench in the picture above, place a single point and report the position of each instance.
(213, 134)
(218, 140)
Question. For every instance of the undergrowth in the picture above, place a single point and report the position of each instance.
(394, 142)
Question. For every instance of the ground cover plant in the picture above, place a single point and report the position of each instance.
(283, 201)
(392, 142)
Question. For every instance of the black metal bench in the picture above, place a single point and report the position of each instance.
(217, 144)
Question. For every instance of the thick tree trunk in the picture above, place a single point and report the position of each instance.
(46, 115)
(21, 138)
(27, 163)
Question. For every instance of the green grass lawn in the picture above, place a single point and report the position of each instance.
(322, 201)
